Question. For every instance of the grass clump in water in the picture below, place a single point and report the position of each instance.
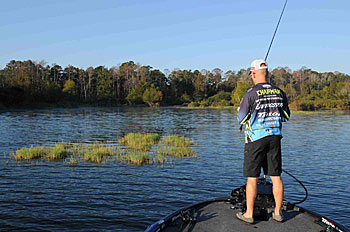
(97, 153)
(93, 156)
(30, 153)
(138, 150)
(176, 141)
(159, 159)
(139, 141)
(137, 158)
(58, 152)
(175, 146)
(73, 161)
(179, 152)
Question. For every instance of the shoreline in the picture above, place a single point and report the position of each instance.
(72, 106)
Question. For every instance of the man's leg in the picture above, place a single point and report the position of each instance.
(251, 191)
(277, 192)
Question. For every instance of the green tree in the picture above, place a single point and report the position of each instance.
(104, 84)
(52, 92)
(135, 97)
(152, 96)
(200, 87)
(220, 99)
(69, 87)
(181, 82)
(128, 78)
(237, 94)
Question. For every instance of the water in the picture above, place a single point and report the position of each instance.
(53, 196)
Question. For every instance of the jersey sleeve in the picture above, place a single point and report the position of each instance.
(243, 114)
(286, 111)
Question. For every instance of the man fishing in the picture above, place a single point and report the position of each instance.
(263, 108)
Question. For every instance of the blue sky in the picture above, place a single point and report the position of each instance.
(183, 34)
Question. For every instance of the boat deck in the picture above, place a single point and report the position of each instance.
(219, 216)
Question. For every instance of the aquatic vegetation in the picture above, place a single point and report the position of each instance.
(30, 153)
(139, 141)
(73, 161)
(159, 159)
(76, 148)
(139, 149)
(58, 152)
(176, 141)
(179, 152)
(137, 158)
(97, 152)
(93, 156)
(175, 146)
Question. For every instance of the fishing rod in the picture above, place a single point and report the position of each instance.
(274, 34)
(273, 37)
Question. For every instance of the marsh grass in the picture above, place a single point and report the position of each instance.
(159, 159)
(176, 141)
(178, 152)
(98, 152)
(31, 153)
(73, 161)
(77, 148)
(139, 149)
(93, 156)
(137, 158)
(139, 141)
(59, 151)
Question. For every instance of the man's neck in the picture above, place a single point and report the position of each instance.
(260, 82)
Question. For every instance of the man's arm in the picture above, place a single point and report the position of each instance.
(243, 114)
(286, 111)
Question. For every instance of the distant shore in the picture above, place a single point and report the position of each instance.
(233, 108)
(29, 84)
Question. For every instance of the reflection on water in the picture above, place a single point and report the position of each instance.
(114, 196)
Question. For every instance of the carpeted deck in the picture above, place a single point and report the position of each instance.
(219, 217)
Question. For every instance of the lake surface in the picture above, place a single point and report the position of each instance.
(54, 196)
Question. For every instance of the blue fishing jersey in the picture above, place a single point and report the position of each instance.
(263, 108)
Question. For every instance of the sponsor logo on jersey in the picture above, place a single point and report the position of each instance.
(268, 114)
(268, 98)
(268, 91)
(268, 105)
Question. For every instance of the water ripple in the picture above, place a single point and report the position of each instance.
(54, 196)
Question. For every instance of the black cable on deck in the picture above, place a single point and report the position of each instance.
(306, 192)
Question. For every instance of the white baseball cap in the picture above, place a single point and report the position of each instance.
(257, 64)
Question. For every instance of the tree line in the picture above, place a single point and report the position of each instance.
(29, 83)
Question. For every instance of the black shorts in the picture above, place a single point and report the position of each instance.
(264, 153)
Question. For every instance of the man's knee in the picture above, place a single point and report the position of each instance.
(277, 181)
(276, 178)
(252, 180)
